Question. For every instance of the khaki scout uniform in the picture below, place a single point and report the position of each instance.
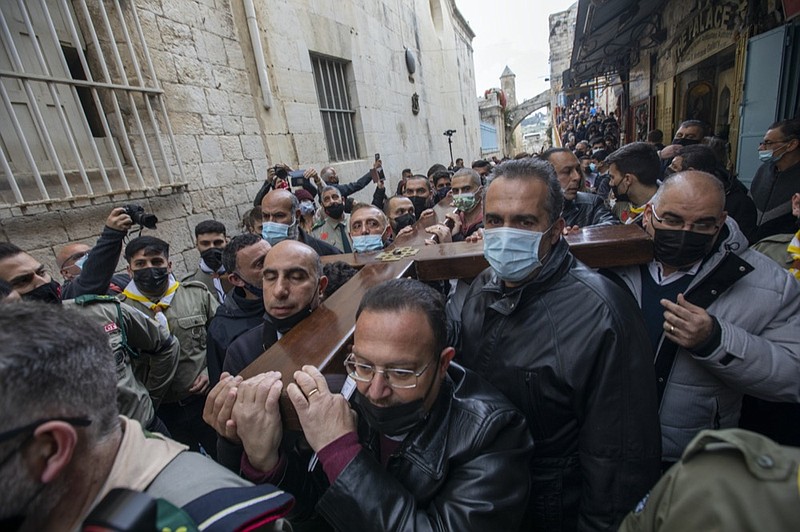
(727, 480)
(187, 317)
(199, 276)
(136, 341)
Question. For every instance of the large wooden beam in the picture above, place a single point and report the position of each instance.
(323, 339)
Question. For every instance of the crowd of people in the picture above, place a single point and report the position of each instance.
(540, 395)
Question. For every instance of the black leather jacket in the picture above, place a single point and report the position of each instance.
(464, 468)
(588, 209)
(571, 351)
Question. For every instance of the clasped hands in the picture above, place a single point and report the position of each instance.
(247, 412)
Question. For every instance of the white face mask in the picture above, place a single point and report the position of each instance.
(512, 253)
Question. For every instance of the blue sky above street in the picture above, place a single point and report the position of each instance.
(513, 33)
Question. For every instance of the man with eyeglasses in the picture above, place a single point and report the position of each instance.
(724, 320)
(64, 446)
(432, 447)
(777, 179)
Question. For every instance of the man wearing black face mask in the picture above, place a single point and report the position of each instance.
(333, 228)
(243, 308)
(724, 320)
(184, 309)
(689, 133)
(434, 447)
(292, 284)
(210, 241)
(418, 190)
(400, 212)
(145, 355)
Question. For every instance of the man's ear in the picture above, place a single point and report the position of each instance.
(169, 266)
(235, 280)
(130, 272)
(445, 358)
(558, 230)
(52, 449)
(323, 284)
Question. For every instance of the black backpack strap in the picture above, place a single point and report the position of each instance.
(726, 274)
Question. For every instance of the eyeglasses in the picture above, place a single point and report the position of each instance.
(395, 377)
(677, 223)
(77, 421)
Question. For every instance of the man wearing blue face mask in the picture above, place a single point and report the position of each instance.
(777, 179)
(369, 229)
(243, 308)
(281, 211)
(588, 392)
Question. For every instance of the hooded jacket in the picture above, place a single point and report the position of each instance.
(570, 350)
(758, 351)
(235, 316)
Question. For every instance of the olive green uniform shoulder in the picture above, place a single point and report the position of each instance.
(732, 480)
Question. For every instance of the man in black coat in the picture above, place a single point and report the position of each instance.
(570, 350)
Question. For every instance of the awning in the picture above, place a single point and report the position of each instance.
(607, 31)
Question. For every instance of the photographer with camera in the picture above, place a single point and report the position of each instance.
(91, 270)
(282, 176)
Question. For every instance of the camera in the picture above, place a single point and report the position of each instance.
(450, 132)
(297, 176)
(140, 217)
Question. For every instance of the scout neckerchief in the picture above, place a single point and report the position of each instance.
(132, 292)
(794, 252)
(205, 268)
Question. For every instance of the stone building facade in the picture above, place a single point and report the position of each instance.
(232, 87)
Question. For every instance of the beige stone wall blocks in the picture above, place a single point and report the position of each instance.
(204, 62)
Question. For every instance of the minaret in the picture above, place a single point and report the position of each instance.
(509, 86)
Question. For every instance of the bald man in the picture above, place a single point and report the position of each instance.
(281, 212)
(724, 320)
(293, 284)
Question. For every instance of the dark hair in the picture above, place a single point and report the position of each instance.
(789, 127)
(535, 168)
(480, 163)
(406, 171)
(545, 155)
(150, 244)
(420, 176)
(236, 244)
(338, 273)
(640, 159)
(435, 168)
(251, 219)
(699, 157)
(397, 295)
(7, 249)
(5, 289)
(655, 135)
(209, 226)
(63, 369)
(695, 123)
(599, 155)
(440, 174)
(596, 140)
(387, 205)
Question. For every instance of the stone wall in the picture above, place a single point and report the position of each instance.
(227, 139)
(562, 37)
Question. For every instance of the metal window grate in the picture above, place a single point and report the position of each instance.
(82, 113)
(338, 118)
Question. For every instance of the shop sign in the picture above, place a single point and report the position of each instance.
(708, 31)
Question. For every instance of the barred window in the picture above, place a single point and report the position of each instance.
(81, 112)
(338, 117)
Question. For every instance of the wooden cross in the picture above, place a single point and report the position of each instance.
(322, 339)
